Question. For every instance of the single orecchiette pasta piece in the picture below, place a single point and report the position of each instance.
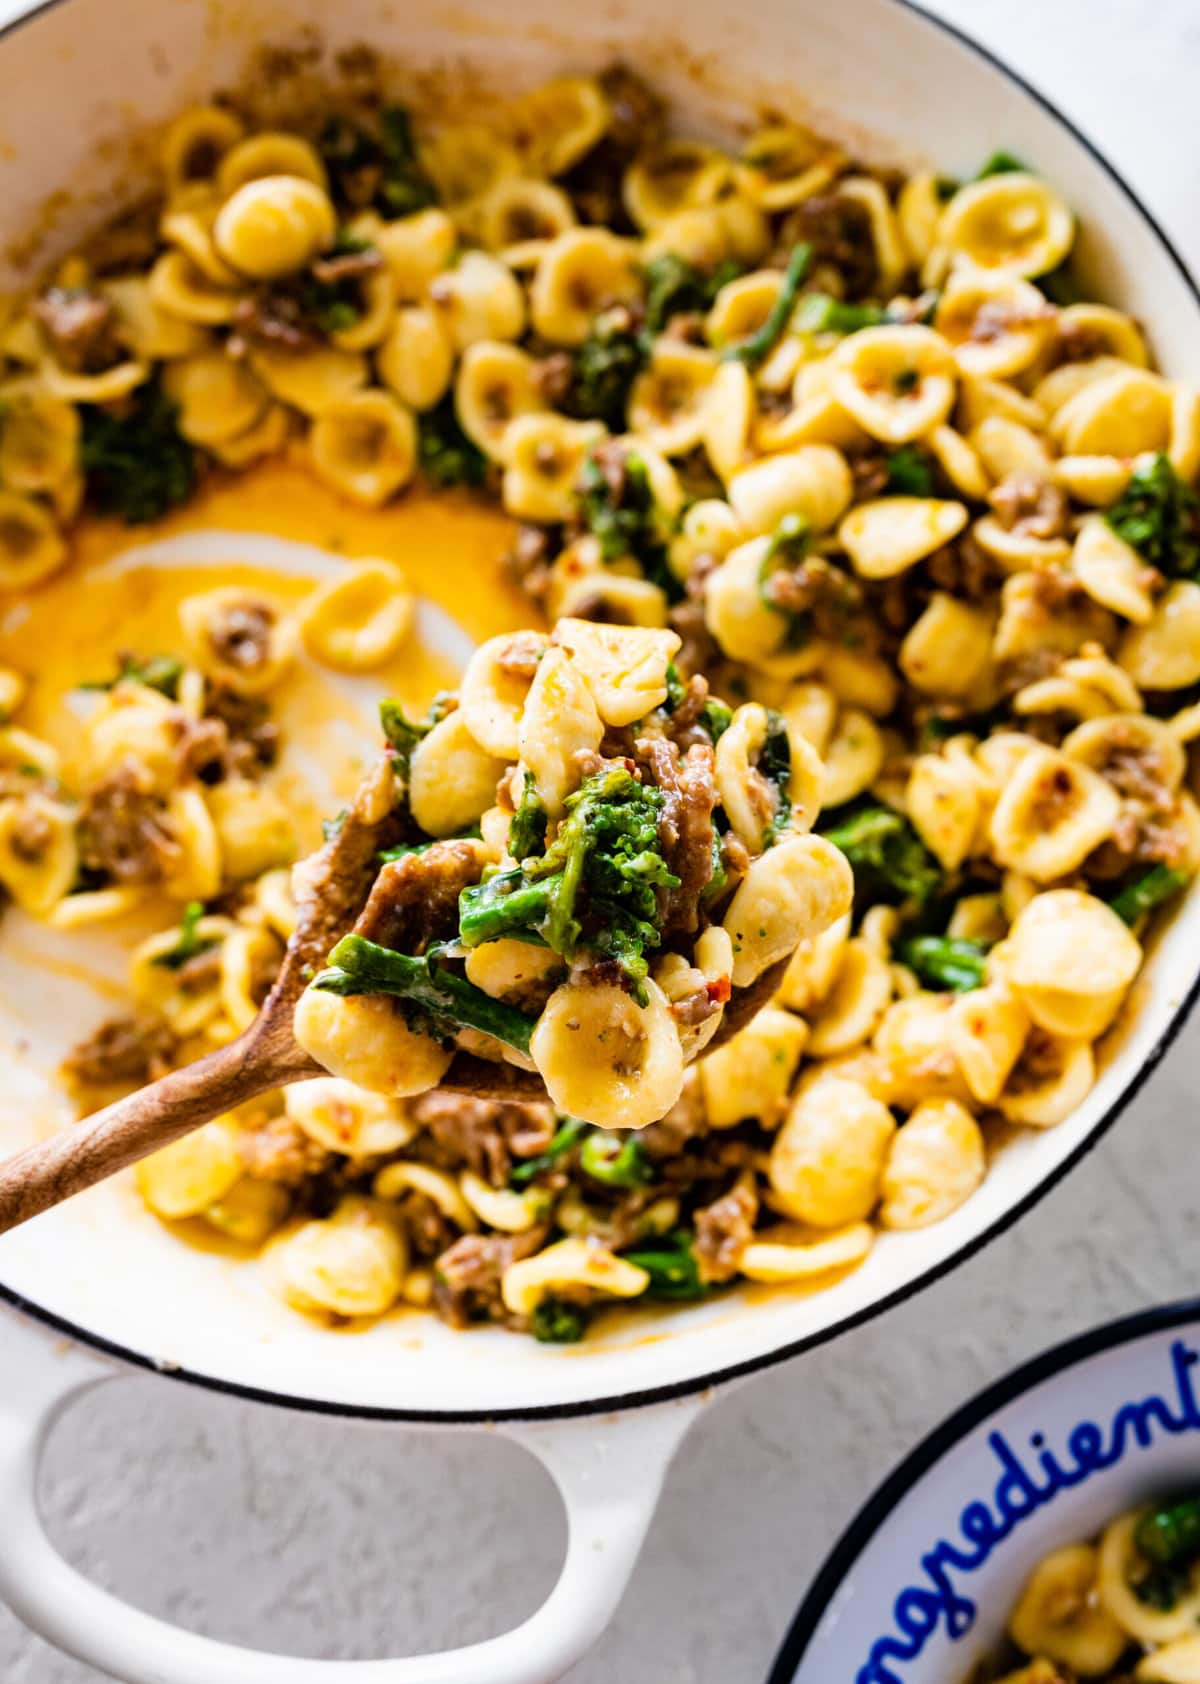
(495, 384)
(669, 402)
(311, 380)
(1071, 959)
(1163, 654)
(500, 1207)
(348, 1119)
(559, 721)
(451, 779)
(249, 1211)
(492, 694)
(1050, 1080)
(267, 437)
(187, 1003)
(269, 153)
(1060, 1617)
(789, 894)
(814, 967)
(39, 856)
(889, 536)
(789, 1253)
(605, 1058)
(249, 958)
(31, 546)
(986, 1033)
(814, 482)
(509, 969)
(729, 418)
(480, 298)
(415, 249)
(197, 875)
(350, 1264)
(935, 1162)
(1112, 572)
(947, 651)
(1012, 222)
(554, 125)
(195, 143)
(891, 258)
(1174, 1663)
(1026, 627)
(359, 618)
(751, 1074)
(255, 828)
(827, 1159)
(216, 396)
(1098, 480)
(544, 454)
(675, 176)
(959, 461)
(415, 357)
(1131, 750)
(897, 382)
(853, 757)
(580, 273)
(1116, 1593)
(852, 1008)
(918, 1065)
(273, 226)
(436, 1185)
(578, 1265)
(997, 325)
(239, 637)
(39, 439)
(1099, 330)
(1050, 815)
(1122, 415)
(365, 1040)
(364, 445)
(754, 806)
(183, 1179)
(944, 802)
(625, 667)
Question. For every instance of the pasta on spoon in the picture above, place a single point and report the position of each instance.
(601, 856)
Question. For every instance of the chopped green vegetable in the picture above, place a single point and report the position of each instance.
(446, 454)
(716, 719)
(615, 1163)
(1144, 893)
(556, 1322)
(775, 765)
(1170, 1534)
(333, 306)
(1162, 1587)
(945, 962)
(758, 346)
(567, 1136)
(818, 312)
(405, 187)
(1000, 163)
(1159, 515)
(189, 944)
(603, 369)
(403, 849)
(909, 471)
(788, 547)
(675, 287)
(402, 733)
(156, 672)
(889, 860)
(621, 511)
(527, 833)
(1060, 286)
(597, 881)
(671, 1264)
(437, 1000)
(676, 689)
(136, 462)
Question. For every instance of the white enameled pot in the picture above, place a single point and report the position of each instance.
(920, 1587)
(78, 78)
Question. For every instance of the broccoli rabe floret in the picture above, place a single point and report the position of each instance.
(620, 510)
(615, 1162)
(1142, 894)
(675, 287)
(555, 1321)
(570, 1131)
(671, 1264)
(909, 472)
(603, 370)
(595, 883)
(136, 462)
(447, 455)
(190, 944)
(155, 672)
(402, 733)
(1158, 514)
(889, 860)
(379, 167)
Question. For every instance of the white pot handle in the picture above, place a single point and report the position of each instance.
(608, 1470)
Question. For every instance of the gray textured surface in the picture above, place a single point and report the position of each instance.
(314, 1538)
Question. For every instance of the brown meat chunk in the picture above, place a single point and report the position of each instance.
(347, 266)
(277, 1150)
(685, 827)
(528, 562)
(636, 123)
(123, 830)
(1026, 504)
(80, 326)
(235, 738)
(415, 899)
(839, 231)
(724, 1230)
(964, 569)
(1136, 768)
(128, 1050)
(240, 634)
(685, 1121)
(481, 1134)
(466, 1286)
(273, 319)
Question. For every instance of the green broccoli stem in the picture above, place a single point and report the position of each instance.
(945, 962)
(671, 1264)
(505, 905)
(359, 966)
(614, 1162)
(568, 1135)
(758, 346)
(1154, 887)
(556, 1321)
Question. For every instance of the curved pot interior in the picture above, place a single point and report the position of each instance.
(85, 83)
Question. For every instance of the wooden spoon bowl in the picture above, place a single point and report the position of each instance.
(333, 886)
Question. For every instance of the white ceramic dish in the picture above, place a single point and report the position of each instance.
(78, 76)
(919, 1588)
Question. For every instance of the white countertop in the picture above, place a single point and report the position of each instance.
(314, 1538)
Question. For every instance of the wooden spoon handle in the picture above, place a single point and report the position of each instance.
(110, 1140)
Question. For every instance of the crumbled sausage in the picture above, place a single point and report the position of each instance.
(467, 1278)
(128, 1050)
(1034, 507)
(414, 900)
(123, 829)
(80, 326)
(724, 1230)
(481, 1134)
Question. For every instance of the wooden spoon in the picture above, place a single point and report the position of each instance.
(333, 888)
